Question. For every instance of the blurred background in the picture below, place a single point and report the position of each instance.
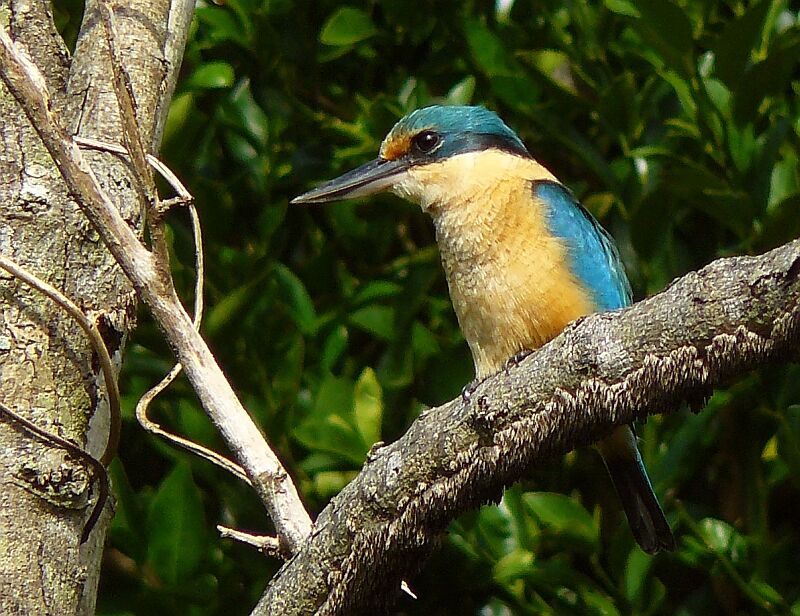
(676, 124)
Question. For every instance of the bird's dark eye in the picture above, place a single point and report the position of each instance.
(426, 141)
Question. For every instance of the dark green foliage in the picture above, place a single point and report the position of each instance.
(676, 124)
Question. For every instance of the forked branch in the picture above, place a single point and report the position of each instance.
(263, 468)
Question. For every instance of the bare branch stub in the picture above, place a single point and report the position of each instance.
(263, 543)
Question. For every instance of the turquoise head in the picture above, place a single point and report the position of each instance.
(424, 137)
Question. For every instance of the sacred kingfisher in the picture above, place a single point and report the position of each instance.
(522, 257)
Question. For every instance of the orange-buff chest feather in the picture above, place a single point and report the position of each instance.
(509, 279)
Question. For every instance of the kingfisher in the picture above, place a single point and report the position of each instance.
(522, 257)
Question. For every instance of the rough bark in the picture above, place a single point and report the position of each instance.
(47, 370)
(605, 370)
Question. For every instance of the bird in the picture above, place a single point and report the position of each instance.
(522, 257)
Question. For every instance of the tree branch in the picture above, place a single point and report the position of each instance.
(265, 471)
(608, 369)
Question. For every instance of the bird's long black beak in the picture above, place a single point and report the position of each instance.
(367, 179)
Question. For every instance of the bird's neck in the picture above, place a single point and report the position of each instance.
(484, 228)
(508, 277)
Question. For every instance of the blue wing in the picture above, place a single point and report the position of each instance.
(595, 260)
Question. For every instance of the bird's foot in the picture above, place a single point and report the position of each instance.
(469, 389)
(515, 359)
(373, 451)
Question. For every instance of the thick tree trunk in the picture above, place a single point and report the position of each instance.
(48, 372)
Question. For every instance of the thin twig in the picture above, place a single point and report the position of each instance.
(99, 470)
(145, 401)
(126, 100)
(154, 428)
(96, 340)
(134, 148)
(163, 170)
(263, 543)
(131, 135)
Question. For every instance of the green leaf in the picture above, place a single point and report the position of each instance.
(423, 342)
(693, 552)
(770, 158)
(330, 427)
(211, 75)
(488, 51)
(782, 224)
(288, 376)
(737, 42)
(667, 28)
(721, 538)
(335, 345)
(332, 434)
(494, 532)
(789, 442)
(636, 571)
(348, 25)
(227, 309)
(377, 320)
(551, 575)
(622, 7)
(180, 115)
(376, 289)
(176, 527)
(330, 483)
(598, 602)
(556, 67)
(397, 369)
(221, 25)
(193, 422)
(518, 91)
(335, 395)
(686, 98)
(368, 404)
(127, 524)
(462, 92)
(245, 113)
(496, 607)
(769, 77)
(687, 450)
(743, 147)
(301, 308)
(563, 515)
(617, 105)
(767, 592)
(733, 210)
(512, 566)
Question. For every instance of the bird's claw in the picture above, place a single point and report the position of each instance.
(515, 359)
(469, 389)
(373, 451)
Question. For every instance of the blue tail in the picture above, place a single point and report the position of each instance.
(645, 517)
